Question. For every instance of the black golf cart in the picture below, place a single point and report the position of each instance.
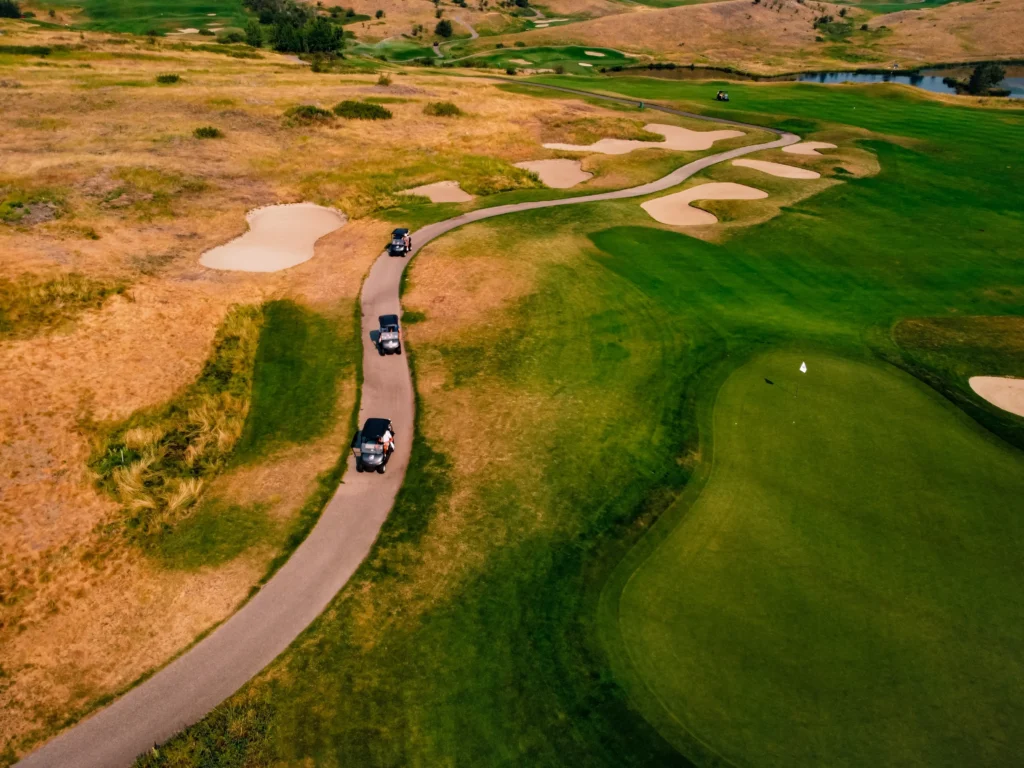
(373, 445)
(389, 337)
(401, 243)
(722, 96)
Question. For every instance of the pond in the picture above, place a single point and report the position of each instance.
(928, 79)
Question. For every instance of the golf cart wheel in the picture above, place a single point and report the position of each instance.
(380, 351)
(382, 468)
(399, 350)
(359, 466)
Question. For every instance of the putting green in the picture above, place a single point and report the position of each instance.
(846, 588)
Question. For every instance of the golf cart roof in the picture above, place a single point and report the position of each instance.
(374, 428)
(388, 320)
(400, 232)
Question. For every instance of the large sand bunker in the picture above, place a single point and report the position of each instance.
(1002, 391)
(808, 147)
(676, 209)
(681, 139)
(557, 174)
(440, 192)
(594, 53)
(279, 236)
(777, 169)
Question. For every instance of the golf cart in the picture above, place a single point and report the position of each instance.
(389, 337)
(722, 96)
(401, 243)
(373, 445)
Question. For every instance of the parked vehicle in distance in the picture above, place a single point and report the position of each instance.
(373, 445)
(389, 338)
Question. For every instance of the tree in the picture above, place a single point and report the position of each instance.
(320, 36)
(984, 77)
(9, 9)
(379, 14)
(254, 34)
(443, 28)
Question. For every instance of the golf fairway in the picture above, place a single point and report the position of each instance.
(846, 588)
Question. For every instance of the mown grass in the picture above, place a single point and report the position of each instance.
(143, 16)
(30, 305)
(214, 534)
(837, 544)
(571, 417)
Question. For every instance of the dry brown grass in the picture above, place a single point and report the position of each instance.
(90, 615)
(987, 29)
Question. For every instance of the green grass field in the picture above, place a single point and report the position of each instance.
(141, 16)
(480, 632)
(839, 589)
(570, 57)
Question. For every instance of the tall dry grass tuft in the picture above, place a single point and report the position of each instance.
(30, 305)
(155, 463)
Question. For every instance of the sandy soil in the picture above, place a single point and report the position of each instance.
(808, 148)
(279, 236)
(1002, 391)
(676, 138)
(522, 62)
(184, 31)
(594, 53)
(557, 174)
(441, 192)
(777, 169)
(676, 210)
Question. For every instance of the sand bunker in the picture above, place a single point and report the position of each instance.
(521, 62)
(1002, 391)
(184, 31)
(557, 174)
(676, 138)
(777, 169)
(808, 147)
(676, 209)
(440, 192)
(584, 64)
(279, 236)
(594, 53)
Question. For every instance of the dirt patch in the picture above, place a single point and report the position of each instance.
(676, 138)
(441, 192)
(676, 209)
(777, 169)
(1002, 391)
(279, 237)
(521, 62)
(557, 174)
(808, 148)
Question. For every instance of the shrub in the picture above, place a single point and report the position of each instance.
(384, 79)
(307, 114)
(560, 70)
(520, 44)
(984, 77)
(229, 38)
(443, 28)
(500, 45)
(208, 132)
(9, 9)
(442, 109)
(379, 14)
(360, 110)
(254, 34)
(510, 70)
(205, 33)
(863, 27)
(168, 79)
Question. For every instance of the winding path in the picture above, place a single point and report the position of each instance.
(184, 691)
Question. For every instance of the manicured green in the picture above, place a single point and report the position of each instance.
(299, 360)
(479, 632)
(213, 535)
(837, 595)
(567, 57)
(142, 16)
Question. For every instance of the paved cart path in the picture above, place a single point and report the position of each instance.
(184, 691)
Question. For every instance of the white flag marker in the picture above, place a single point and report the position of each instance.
(803, 367)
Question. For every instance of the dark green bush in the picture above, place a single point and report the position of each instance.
(205, 33)
(254, 34)
(168, 79)
(208, 132)
(9, 9)
(360, 110)
(442, 109)
(443, 28)
(307, 114)
(229, 38)
(26, 50)
(520, 44)
(510, 70)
